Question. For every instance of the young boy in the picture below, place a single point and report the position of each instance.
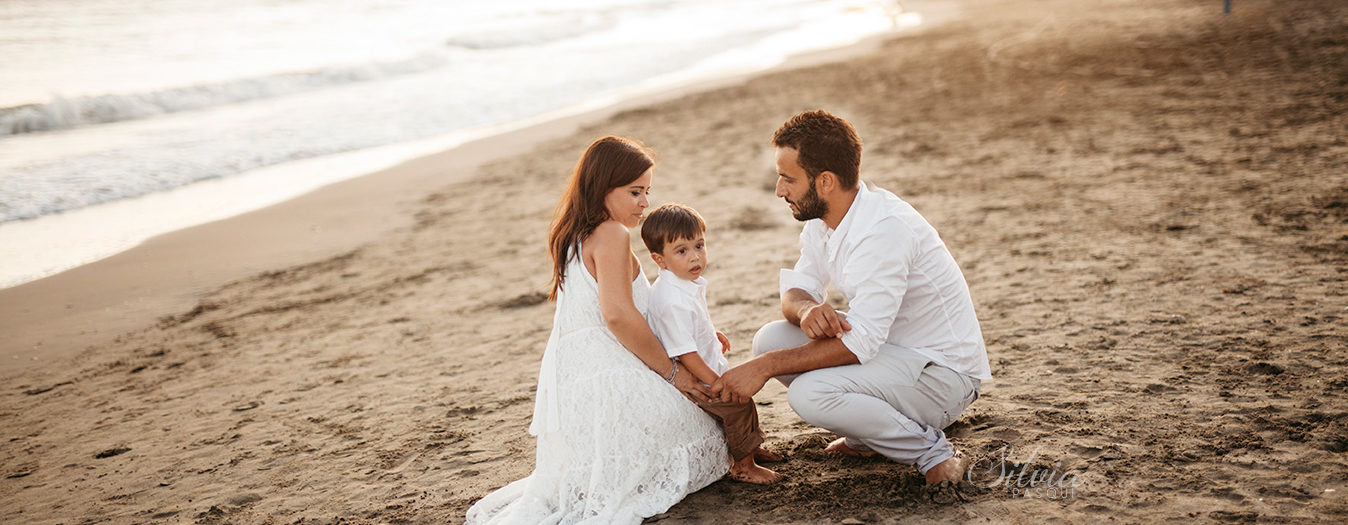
(677, 313)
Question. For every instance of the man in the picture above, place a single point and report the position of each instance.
(908, 357)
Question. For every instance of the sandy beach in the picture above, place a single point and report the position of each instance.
(1149, 200)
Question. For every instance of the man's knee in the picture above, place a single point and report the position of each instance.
(809, 398)
(776, 336)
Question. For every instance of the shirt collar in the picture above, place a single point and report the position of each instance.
(860, 203)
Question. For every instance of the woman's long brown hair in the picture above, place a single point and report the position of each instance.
(610, 162)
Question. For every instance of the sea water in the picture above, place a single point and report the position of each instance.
(121, 120)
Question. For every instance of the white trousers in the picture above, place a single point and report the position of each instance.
(895, 404)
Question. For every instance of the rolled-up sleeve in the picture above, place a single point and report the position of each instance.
(878, 272)
(673, 326)
(809, 274)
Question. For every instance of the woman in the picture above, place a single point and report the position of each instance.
(617, 441)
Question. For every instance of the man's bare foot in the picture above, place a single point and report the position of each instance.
(766, 456)
(840, 445)
(749, 472)
(949, 470)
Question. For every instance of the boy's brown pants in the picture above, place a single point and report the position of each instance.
(740, 421)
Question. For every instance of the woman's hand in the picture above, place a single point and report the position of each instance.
(690, 386)
(725, 342)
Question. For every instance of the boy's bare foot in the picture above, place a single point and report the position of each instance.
(747, 471)
(840, 445)
(766, 456)
(949, 470)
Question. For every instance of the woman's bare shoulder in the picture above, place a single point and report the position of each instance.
(611, 240)
(607, 235)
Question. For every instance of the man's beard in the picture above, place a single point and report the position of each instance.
(810, 206)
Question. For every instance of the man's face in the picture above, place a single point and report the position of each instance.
(794, 186)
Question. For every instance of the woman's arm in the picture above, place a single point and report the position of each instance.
(613, 271)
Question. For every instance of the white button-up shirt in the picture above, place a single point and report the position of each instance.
(677, 313)
(904, 290)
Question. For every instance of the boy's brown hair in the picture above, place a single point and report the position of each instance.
(669, 223)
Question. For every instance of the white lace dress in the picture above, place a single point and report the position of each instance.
(616, 443)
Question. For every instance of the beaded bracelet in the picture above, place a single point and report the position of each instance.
(674, 371)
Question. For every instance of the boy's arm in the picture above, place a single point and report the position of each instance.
(694, 363)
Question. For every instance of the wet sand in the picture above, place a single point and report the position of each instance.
(1148, 199)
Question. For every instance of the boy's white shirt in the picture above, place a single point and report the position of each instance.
(677, 313)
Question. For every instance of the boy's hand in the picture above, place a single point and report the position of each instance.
(725, 342)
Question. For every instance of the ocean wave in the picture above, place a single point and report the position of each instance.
(542, 28)
(65, 113)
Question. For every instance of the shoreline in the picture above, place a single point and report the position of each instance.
(57, 316)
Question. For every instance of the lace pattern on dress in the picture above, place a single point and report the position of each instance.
(616, 443)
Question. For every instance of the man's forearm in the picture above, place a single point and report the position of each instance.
(816, 354)
(794, 302)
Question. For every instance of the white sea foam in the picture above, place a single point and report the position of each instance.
(539, 29)
(159, 100)
(65, 113)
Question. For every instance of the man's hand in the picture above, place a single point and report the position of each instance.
(725, 342)
(739, 384)
(821, 321)
(690, 386)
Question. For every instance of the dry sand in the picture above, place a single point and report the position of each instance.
(1148, 199)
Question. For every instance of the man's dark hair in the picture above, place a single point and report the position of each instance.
(669, 223)
(824, 142)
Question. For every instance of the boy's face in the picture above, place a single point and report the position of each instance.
(685, 257)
